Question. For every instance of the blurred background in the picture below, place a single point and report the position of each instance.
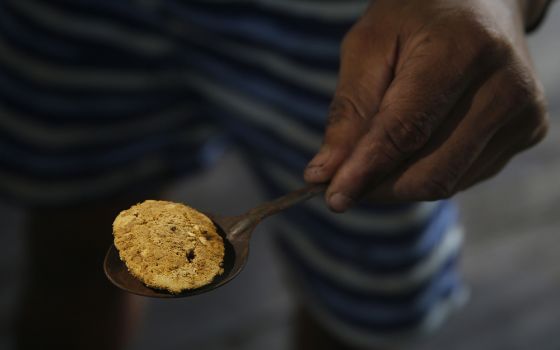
(510, 260)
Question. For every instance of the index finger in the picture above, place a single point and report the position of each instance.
(422, 94)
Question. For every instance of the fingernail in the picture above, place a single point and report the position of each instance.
(339, 202)
(321, 158)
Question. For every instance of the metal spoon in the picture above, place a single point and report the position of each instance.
(236, 232)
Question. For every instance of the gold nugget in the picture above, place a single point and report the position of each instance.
(169, 245)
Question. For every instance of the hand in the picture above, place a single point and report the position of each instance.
(433, 97)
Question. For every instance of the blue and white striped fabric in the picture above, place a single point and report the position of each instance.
(102, 96)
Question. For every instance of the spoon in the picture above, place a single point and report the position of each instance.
(236, 232)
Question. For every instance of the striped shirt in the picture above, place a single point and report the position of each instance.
(102, 96)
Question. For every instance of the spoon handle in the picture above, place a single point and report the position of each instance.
(286, 201)
(255, 215)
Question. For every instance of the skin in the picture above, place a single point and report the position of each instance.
(432, 94)
(433, 97)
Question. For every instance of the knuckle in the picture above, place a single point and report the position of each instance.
(492, 52)
(539, 127)
(374, 154)
(381, 155)
(540, 133)
(355, 38)
(522, 93)
(479, 39)
(499, 51)
(435, 188)
(343, 108)
(441, 181)
(522, 90)
(483, 45)
(409, 134)
(537, 113)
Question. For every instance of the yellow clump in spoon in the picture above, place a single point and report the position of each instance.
(169, 245)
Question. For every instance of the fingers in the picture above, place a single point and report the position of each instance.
(345, 126)
(503, 147)
(476, 148)
(435, 171)
(420, 97)
(490, 164)
(365, 74)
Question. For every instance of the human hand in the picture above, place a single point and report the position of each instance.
(433, 97)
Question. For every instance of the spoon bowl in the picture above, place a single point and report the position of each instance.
(236, 232)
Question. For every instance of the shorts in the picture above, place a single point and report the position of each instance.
(105, 96)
